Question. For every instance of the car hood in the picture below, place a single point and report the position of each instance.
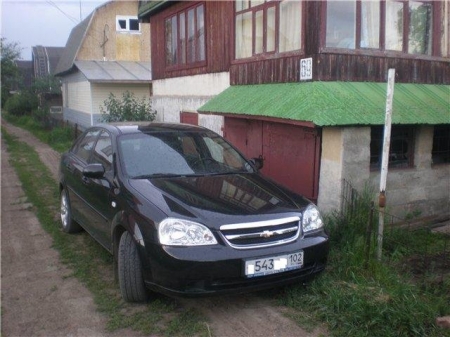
(217, 198)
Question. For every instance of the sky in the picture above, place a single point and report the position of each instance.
(40, 22)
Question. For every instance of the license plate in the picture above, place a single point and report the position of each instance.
(275, 264)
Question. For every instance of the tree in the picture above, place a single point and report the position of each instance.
(10, 52)
(47, 85)
(127, 109)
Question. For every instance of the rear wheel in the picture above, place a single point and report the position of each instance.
(67, 223)
(131, 281)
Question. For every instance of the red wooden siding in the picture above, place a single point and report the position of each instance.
(291, 153)
(341, 67)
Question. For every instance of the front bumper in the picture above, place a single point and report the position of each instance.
(219, 269)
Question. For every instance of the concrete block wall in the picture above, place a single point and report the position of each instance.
(422, 190)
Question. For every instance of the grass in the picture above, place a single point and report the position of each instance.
(161, 315)
(59, 138)
(383, 299)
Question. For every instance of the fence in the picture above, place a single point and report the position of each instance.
(415, 246)
(56, 120)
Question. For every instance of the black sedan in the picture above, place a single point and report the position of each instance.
(184, 213)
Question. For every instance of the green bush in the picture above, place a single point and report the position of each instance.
(21, 104)
(42, 116)
(127, 109)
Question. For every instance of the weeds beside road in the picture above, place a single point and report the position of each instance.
(381, 300)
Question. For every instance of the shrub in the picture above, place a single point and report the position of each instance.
(127, 109)
(42, 116)
(21, 104)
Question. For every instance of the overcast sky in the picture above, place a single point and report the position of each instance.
(42, 22)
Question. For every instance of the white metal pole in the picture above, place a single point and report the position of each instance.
(385, 159)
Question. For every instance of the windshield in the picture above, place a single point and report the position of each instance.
(178, 153)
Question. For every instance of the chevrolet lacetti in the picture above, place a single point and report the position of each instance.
(184, 213)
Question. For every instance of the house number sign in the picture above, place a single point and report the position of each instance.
(306, 69)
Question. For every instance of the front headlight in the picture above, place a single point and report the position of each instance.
(177, 232)
(311, 219)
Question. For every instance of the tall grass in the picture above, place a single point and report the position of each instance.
(356, 298)
(59, 138)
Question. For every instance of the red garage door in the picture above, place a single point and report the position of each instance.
(290, 152)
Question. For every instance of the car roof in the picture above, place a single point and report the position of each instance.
(148, 127)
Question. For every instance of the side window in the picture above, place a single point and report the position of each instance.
(103, 151)
(86, 144)
(401, 152)
(441, 144)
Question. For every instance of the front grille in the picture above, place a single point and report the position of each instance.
(261, 233)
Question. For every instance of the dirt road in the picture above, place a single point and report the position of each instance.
(38, 299)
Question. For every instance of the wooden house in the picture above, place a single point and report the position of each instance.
(303, 84)
(108, 52)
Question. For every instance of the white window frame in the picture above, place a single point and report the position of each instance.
(127, 19)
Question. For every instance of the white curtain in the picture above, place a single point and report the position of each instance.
(370, 24)
(244, 35)
(290, 25)
(394, 25)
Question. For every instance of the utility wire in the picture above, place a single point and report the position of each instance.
(71, 18)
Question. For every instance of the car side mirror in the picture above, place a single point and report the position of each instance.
(95, 171)
(258, 163)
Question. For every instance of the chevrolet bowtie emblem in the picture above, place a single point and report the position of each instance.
(266, 234)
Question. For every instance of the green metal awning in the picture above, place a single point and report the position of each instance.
(336, 103)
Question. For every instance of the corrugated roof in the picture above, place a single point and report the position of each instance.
(151, 7)
(116, 71)
(336, 103)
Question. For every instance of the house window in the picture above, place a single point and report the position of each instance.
(370, 24)
(341, 23)
(127, 24)
(402, 26)
(420, 28)
(401, 151)
(441, 144)
(185, 37)
(266, 27)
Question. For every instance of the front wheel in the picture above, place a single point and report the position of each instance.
(67, 223)
(131, 281)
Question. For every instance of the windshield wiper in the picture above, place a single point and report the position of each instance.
(157, 175)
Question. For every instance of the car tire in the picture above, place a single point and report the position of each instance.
(67, 223)
(131, 281)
